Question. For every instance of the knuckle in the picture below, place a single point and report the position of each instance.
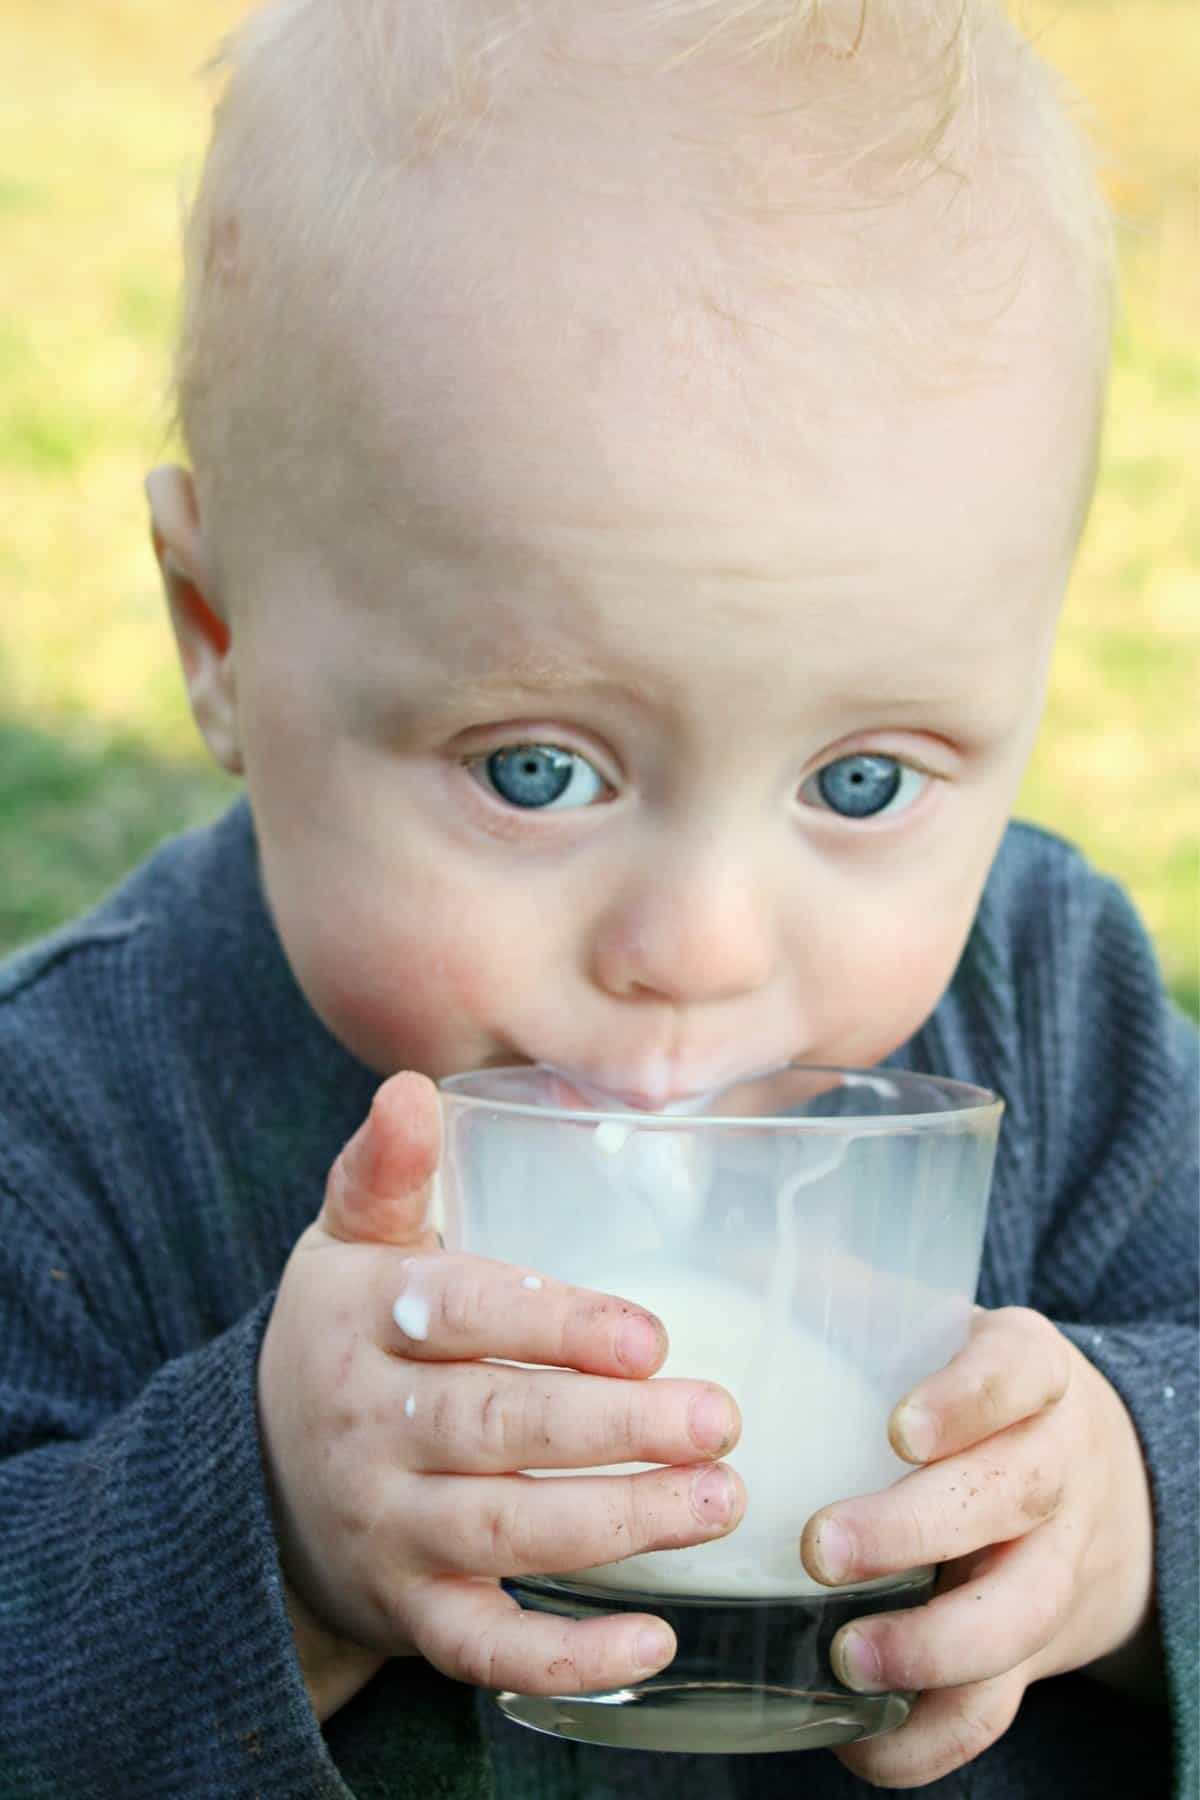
(1039, 1620)
(1049, 1599)
(908, 1658)
(587, 1658)
(506, 1534)
(496, 1422)
(1040, 1497)
(657, 1512)
(513, 1418)
(382, 1605)
(445, 1416)
(477, 1658)
(640, 1520)
(555, 1667)
(916, 1528)
(1046, 1345)
(988, 1398)
(462, 1305)
(625, 1423)
(983, 1712)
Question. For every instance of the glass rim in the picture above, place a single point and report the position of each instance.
(974, 1104)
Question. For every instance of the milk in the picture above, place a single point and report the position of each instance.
(814, 1430)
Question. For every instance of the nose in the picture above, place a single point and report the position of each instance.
(693, 929)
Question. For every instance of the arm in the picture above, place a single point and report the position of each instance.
(1140, 1332)
(1059, 1486)
(143, 1632)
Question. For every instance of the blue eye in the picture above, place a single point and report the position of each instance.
(540, 777)
(863, 786)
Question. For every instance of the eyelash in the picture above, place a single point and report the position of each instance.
(912, 781)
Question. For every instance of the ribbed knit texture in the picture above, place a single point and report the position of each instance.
(169, 1108)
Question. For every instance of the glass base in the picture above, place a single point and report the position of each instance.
(749, 1676)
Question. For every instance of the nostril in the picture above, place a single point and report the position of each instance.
(685, 935)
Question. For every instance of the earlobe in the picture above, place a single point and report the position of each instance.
(202, 630)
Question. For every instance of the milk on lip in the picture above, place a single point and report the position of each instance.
(654, 1094)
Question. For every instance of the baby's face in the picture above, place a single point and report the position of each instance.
(642, 694)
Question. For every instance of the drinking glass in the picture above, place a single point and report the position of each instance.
(811, 1239)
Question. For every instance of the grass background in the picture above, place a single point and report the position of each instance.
(101, 134)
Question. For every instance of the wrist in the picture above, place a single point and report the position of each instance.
(333, 1667)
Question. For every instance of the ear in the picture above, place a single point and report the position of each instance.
(202, 629)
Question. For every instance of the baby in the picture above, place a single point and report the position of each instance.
(637, 454)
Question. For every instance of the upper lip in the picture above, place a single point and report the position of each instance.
(660, 1099)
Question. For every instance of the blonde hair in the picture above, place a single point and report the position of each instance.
(359, 91)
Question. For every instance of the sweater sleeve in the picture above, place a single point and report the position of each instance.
(1116, 1266)
(162, 1145)
(1144, 1339)
(143, 1631)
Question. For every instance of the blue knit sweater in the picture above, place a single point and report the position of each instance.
(169, 1108)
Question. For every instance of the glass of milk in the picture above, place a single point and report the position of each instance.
(811, 1240)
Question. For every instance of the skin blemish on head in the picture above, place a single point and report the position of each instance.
(222, 257)
(344, 1365)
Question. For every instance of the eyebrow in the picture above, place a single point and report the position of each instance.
(541, 673)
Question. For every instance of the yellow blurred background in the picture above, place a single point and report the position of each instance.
(102, 128)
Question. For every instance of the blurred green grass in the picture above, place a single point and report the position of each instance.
(82, 810)
(100, 139)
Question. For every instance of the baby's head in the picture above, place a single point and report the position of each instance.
(639, 452)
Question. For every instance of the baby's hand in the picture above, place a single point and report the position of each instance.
(1035, 1497)
(393, 1453)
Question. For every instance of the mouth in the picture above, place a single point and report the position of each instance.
(650, 1096)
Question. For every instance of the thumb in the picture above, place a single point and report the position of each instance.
(378, 1189)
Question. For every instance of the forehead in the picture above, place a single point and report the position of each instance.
(552, 381)
(550, 501)
(605, 380)
(563, 304)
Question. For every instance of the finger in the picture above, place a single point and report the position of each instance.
(531, 1525)
(1004, 1605)
(455, 1308)
(473, 1631)
(1014, 1365)
(378, 1190)
(946, 1728)
(489, 1419)
(997, 1491)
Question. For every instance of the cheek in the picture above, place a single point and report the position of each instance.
(409, 982)
(879, 984)
(424, 1000)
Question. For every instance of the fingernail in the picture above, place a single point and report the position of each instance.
(638, 1343)
(654, 1647)
(710, 1420)
(856, 1661)
(713, 1496)
(834, 1550)
(915, 1432)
